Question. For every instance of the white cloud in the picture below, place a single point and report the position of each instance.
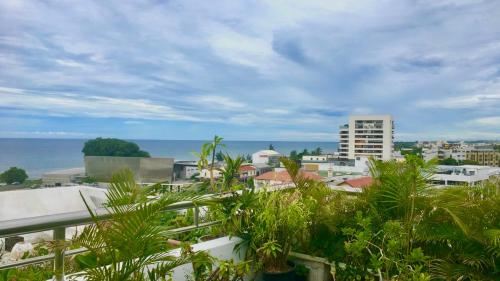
(472, 101)
(40, 134)
(219, 102)
(214, 62)
(488, 121)
(91, 106)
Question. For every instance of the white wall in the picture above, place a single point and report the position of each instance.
(221, 248)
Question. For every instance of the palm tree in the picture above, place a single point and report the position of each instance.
(457, 228)
(462, 233)
(133, 239)
(209, 150)
(230, 172)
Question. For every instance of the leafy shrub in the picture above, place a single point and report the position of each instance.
(12, 175)
(112, 147)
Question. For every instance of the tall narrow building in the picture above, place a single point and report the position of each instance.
(367, 135)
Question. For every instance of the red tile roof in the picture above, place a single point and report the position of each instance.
(283, 176)
(247, 168)
(359, 182)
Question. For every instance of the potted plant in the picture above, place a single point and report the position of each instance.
(279, 219)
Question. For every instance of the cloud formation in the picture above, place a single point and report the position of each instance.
(248, 69)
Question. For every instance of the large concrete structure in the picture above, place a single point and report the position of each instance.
(146, 170)
(367, 135)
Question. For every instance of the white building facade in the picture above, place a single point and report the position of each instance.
(270, 157)
(367, 136)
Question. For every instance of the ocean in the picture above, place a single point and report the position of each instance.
(38, 156)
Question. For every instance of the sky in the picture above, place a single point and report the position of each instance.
(248, 70)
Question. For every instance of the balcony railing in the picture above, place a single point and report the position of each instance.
(58, 224)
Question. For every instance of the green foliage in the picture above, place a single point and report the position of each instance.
(29, 273)
(133, 239)
(219, 156)
(415, 151)
(467, 162)
(248, 158)
(89, 180)
(12, 175)
(398, 145)
(208, 268)
(297, 157)
(405, 230)
(271, 147)
(229, 174)
(449, 162)
(112, 147)
(208, 149)
(453, 162)
(277, 222)
(32, 183)
(317, 151)
(301, 270)
(294, 156)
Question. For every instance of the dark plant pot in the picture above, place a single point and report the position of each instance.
(300, 278)
(280, 276)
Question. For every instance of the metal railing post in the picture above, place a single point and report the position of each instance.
(59, 239)
(196, 216)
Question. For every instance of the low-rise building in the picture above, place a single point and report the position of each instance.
(357, 182)
(484, 156)
(269, 157)
(464, 174)
(331, 166)
(274, 178)
(63, 177)
(216, 171)
(185, 170)
(247, 171)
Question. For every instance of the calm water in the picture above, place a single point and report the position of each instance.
(37, 156)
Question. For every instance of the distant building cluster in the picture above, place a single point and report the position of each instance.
(483, 154)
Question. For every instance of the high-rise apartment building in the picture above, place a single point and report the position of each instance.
(367, 135)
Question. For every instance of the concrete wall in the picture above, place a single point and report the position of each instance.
(147, 170)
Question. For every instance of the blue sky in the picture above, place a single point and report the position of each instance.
(248, 70)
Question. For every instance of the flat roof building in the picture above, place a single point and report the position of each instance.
(269, 157)
(63, 177)
(464, 174)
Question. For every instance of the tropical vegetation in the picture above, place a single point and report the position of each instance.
(112, 147)
(13, 175)
(297, 156)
